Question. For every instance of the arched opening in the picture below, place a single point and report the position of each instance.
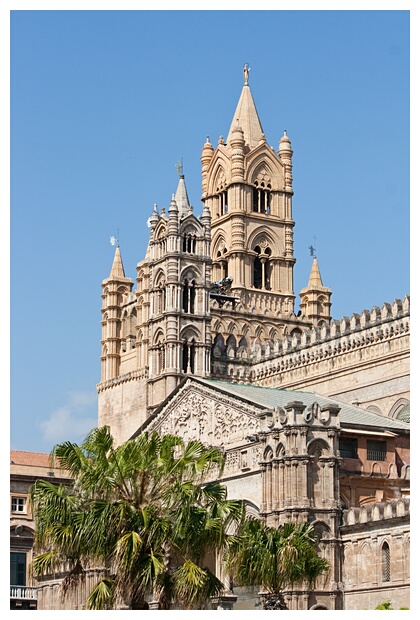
(188, 356)
(386, 562)
(262, 268)
(257, 268)
(261, 198)
(188, 296)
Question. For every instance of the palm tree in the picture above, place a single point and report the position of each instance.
(275, 558)
(141, 511)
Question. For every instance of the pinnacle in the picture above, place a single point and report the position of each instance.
(117, 270)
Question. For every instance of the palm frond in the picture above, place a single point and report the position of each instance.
(102, 595)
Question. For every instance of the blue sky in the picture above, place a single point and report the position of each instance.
(103, 104)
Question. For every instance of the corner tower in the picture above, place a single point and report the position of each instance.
(173, 298)
(315, 298)
(247, 187)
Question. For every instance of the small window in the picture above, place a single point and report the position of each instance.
(348, 447)
(19, 505)
(376, 450)
(386, 562)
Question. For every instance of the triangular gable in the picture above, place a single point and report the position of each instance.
(197, 411)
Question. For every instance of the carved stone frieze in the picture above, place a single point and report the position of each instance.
(197, 413)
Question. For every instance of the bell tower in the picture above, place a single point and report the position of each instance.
(177, 288)
(247, 188)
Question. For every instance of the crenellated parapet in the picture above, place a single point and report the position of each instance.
(341, 336)
(378, 511)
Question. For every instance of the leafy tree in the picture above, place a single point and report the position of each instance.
(388, 605)
(275, 558)
(142, 512)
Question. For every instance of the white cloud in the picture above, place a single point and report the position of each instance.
(73, 420)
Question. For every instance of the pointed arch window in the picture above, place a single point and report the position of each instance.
(262, 268)
(223, 204)
(189, 243)
(386, 562)
(261, 198)
(161, 298)
(188, 356)
(221, 258)
(189, 296)
(161, 358)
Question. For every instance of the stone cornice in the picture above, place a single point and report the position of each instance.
(129, 376)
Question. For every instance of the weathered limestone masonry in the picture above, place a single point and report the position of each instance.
(372, 535)
(311, 413)
(364, 360)
(300, 482)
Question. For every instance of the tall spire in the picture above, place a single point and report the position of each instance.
(117, 270)
(181, 196)
(315, 275)
(246, 115)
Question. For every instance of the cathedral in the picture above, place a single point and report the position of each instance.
(212, 343)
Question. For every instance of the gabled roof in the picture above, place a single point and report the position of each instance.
(271, 397)
(264, 397)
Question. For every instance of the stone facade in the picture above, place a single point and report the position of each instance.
(213, 319)
(215, 297)
(376, 554)
(287, 456)
(311, 413)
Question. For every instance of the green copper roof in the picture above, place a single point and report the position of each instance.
(350, 415)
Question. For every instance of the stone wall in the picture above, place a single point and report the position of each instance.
(376, 548)
(364, 359)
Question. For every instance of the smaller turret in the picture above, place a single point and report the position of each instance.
(286, 154)
(115, 290)
(315, 298)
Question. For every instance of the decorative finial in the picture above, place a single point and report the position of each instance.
(114, 240)
(246, 73)
(180, 168)
(312, 249)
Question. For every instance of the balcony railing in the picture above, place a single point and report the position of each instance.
(25, 593)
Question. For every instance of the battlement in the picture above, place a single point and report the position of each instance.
(348, 333)
(377, 511)
(373, 347)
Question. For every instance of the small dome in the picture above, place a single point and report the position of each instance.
(284, 142)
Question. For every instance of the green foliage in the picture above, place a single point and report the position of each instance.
(142, 512)
(385, 605)
(275, 557)
(388, 605)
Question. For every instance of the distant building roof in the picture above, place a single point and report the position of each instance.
(33, 459)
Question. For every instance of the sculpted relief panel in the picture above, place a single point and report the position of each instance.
(196, 415)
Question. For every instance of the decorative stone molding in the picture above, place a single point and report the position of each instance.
(370, 513)
(129, 376)
(196, 413)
